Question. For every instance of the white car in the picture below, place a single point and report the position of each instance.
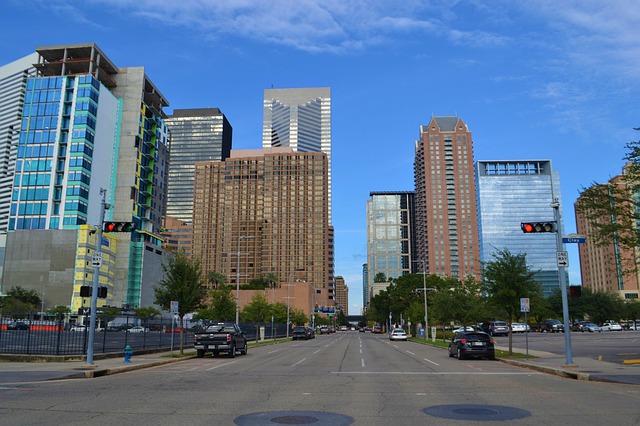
(519, 327)
(137, 329)
(398, 334)
(78, 327)
(461, 329)
(611, 326)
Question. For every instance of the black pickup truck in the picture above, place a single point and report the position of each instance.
(221, 337)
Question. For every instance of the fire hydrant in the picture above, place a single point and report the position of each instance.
(127, 354)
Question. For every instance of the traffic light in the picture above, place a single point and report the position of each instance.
(533, 227)
(119, 227)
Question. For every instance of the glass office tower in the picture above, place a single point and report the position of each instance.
(515, 191)
(390, 237)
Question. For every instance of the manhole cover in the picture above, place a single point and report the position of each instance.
(294, 420)
(316, 418)
(476, 412)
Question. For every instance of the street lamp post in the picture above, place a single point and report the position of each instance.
(563, 286)
(240, 238)
(424, 290)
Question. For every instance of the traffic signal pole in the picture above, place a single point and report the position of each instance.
(563, 285)
(96, 276)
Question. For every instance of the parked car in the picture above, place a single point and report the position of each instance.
(137, 329)
(312, 333)
(577, 326)
(552, 326)
(519, 327)
(611, 326)
(398, 334)
(590, 327)
(376, 329)
(18, 325)
(467, 328)
(465, 344)
(300, 333)
(499, 328)
(78, 327)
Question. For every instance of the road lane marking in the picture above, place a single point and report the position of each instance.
(317, 351)
(362, 362)
(444, 373)
(409, 352)
(273, 352)
(221, 365)
(299, 362)
(428, 360)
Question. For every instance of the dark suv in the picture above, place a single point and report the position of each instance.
(300, 333)
(465, 344)
(552, 326)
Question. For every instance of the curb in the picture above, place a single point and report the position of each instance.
(549, 370)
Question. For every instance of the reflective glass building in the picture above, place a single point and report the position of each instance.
(390, 237)
(515, 191)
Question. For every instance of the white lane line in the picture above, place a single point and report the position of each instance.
(273, 352)
(428, 360)
(317, 351)
(221, 365)
(299, 362)
(360, 350)
(362, 362)
(409, 352)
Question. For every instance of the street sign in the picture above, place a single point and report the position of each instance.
(524, 304)
(96, 259)
(174, 307)
(563, 259)
(574, 238)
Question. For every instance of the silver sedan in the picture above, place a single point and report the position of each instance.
(398, 334)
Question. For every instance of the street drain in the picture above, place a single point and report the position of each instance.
(474, 412)
(316, 418)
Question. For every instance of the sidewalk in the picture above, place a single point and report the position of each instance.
(581, 368)
(14, 372)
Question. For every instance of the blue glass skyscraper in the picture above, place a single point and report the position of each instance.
(515, 191)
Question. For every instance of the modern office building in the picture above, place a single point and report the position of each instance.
(299, 119)
(390, 236)
(511, 192)
(607, 268)
(262, 212)
(197, 135)
(445, 199)
(13, 84)
(89, 131)
(365, 287)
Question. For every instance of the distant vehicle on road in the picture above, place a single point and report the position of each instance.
(398, 334)
(552, 326)
(137, 329)
(590, 327)
(611, 326)
(519, 327)
(301, 333)
(471, 344)
(499, 328)
(466, 328)
(78, 327)
(376, 329)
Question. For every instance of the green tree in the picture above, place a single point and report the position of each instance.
(146, 313)
(271, 279)
(380, 277)
(183, 282)
(216, 279)
(59, 310)
(258, 310)
(612, 212)
(222, 306)
(298, 317)
(506, 280)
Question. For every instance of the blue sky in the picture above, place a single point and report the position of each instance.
(539, 79)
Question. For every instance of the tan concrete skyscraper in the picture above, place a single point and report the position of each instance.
(445, 199)
(263, 212)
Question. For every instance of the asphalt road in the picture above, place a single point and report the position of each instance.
(611, 346)
(339, 379)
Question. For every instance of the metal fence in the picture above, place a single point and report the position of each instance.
(59, 337)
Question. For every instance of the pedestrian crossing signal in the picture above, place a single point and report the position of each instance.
(119, 227)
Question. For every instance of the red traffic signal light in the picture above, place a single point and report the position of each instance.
(534, 227)
(118, 227)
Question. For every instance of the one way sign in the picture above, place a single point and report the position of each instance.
(563, 259)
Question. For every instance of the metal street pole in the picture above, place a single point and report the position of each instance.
(424, 290)
(563, 286)
(240, 238)
(96, 277)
